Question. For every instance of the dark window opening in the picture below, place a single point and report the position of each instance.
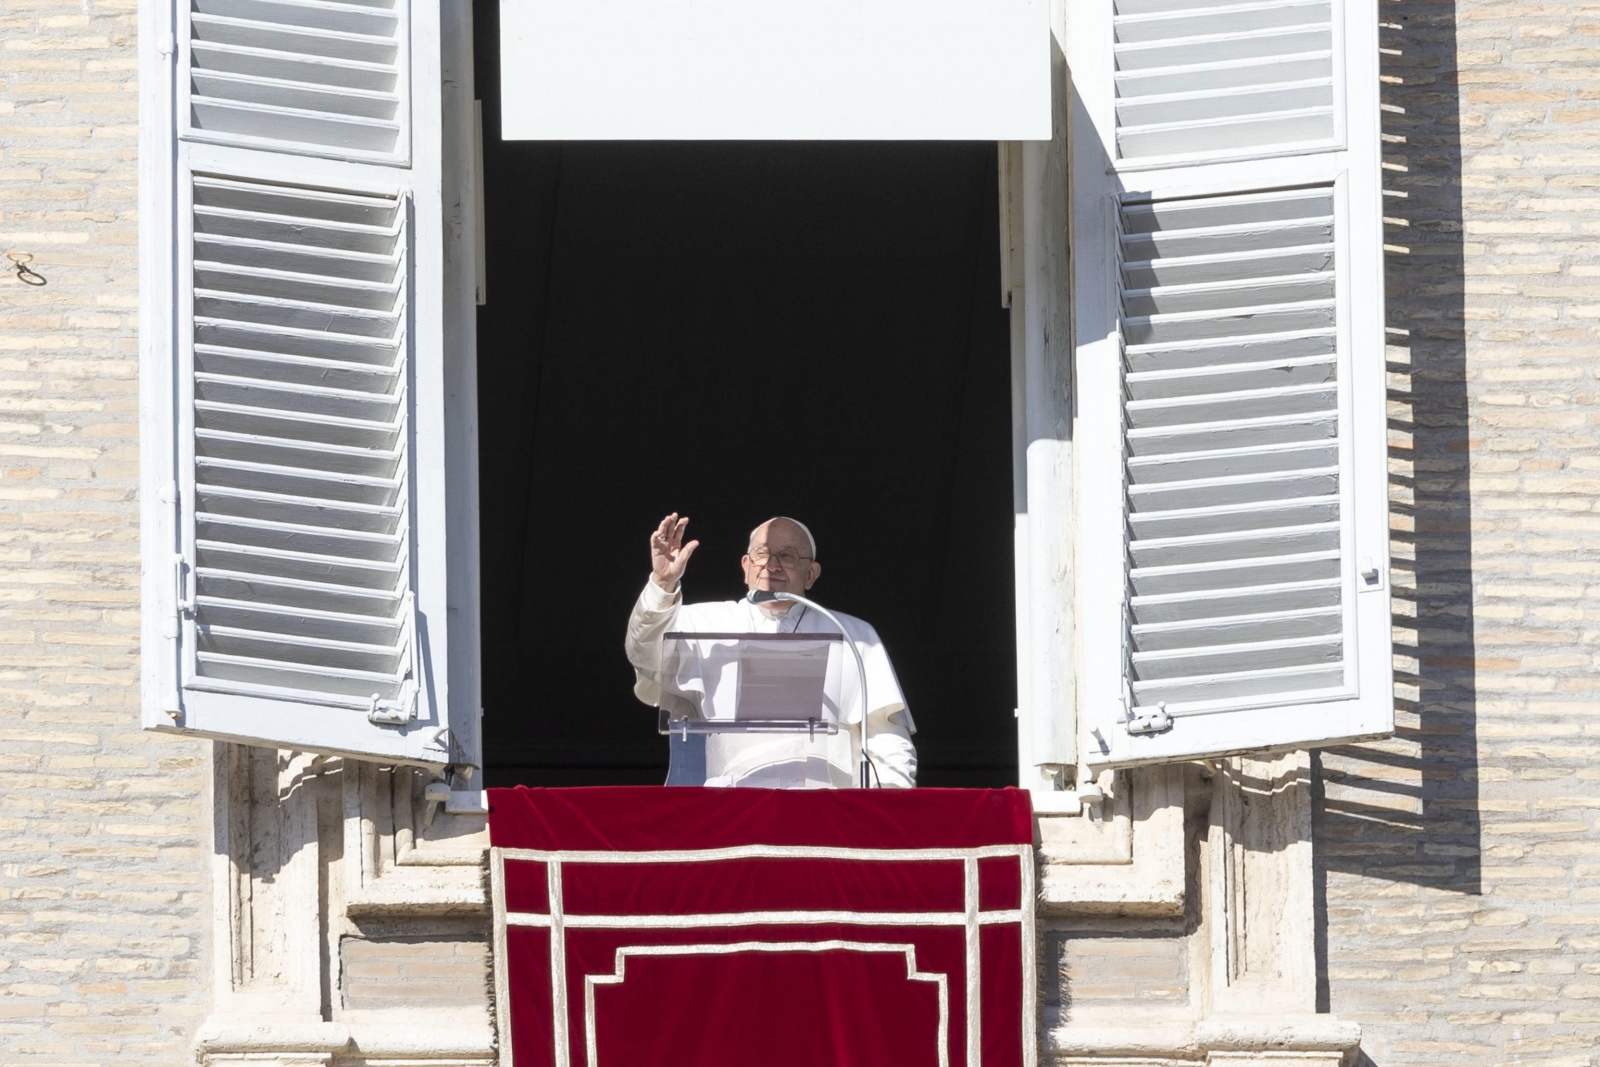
(736, 330)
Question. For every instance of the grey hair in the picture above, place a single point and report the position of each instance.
(810, 540)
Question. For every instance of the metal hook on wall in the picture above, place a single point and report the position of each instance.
(26, 274)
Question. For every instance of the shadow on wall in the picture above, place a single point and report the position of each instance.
(1406, 810)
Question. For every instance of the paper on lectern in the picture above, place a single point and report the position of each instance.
(755, 677)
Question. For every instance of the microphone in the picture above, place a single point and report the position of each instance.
(764, 596)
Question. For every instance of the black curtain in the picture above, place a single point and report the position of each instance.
(736, 330)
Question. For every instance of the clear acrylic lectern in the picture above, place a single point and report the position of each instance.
(730, 683)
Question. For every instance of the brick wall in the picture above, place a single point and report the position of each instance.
(102, 841)
(392, 972)
(1459, 861)
(1111, 963)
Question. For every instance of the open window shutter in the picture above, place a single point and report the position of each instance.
(293, 357)
(1230, 367)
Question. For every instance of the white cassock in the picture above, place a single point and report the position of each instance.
(783, 761)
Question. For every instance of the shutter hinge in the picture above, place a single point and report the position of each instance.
(395, 712)
(1150, 722)
(166, 46)
(182, 601)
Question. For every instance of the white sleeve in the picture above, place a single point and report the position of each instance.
(653, 615)
(894, 757)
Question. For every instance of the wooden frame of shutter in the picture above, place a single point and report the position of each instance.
(1120, 721)
(258, 169)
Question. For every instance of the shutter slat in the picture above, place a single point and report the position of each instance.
(1287, 485)
(1225, 135)
(348, 570)
(1188, 270)
(297, 427)
(1218, 75)
(1275, 210)
(372, 20)
(351, 321)
(339, 45)
(218, 584)
(291, 340)
(328, 652)
(292, 68)
(1222, 293)
(284, 256)
(349, 493)
(1228, 518)
(1237, 629)
(275, 677)
(263, 123)
(1212, 101)
(334, 459)
(1229, 322)
(1233, 574)
(1212, 409)
(329, 238)
(370, 545)
(1226, 692)
(1213, 19)
(1229, 377)
(1231, 462)
(223, 500)
(312, 400)
(1214, 240)
(297, 96)
(318, 290)
(1247, 544)
(1202, 437)
(1225, 603)
(1205, 355)
(1194, 663)
(273, 618)
(294, 370)
(1202, 48)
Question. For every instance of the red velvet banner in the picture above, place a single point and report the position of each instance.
(655, 927)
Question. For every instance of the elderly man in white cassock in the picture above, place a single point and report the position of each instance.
(782, 557)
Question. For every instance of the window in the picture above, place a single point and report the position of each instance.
(311, 576)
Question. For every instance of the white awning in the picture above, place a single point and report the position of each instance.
(761, 70)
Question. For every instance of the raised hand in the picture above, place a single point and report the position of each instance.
(669, 556)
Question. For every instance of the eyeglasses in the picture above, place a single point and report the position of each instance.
(788, 557)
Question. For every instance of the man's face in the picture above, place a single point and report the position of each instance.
(779, 560)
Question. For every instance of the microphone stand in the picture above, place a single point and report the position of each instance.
(760, 596)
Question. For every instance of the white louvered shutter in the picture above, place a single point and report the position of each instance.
(293, 349)
(1230, 366)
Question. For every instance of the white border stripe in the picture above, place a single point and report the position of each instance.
(974, 967)
(941, 981)
(767, 918)
(502, 974)
(745, 852)
(1030, 974)
(558, 966)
